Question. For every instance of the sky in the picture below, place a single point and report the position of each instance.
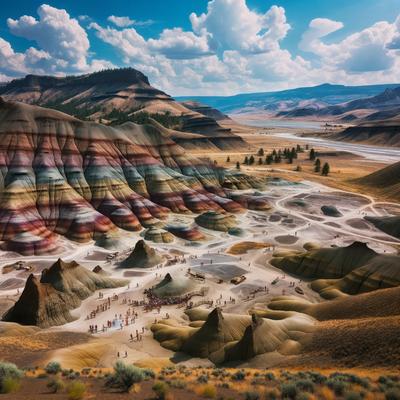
(206, 47)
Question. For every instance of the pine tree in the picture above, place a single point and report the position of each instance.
(325, 169)
(312, 155)
(274, 153)
(251, 160)
(237, 165)
(260, 161)
(228, 159)
(293, 153)
(246, 160)
(260, 152)
(317, 165)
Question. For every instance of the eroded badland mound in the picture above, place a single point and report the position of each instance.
(62, 176)
(387, 180)
(339, 271)
(61, 288)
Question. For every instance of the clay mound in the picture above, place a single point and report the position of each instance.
(41, 305)
(386, 179)
(383, 271)
(217, 331)
(331, 211)
(192, 234)
(173, 286)
(158, 235)
(228, 337)
(266, 336)
(250, 202)
(81, 180)
(216, 221)
(357, 331)
(62, 287)
(142, 256)
(110, 241)
(328, 263)
(236, 231)
(389, 225)
(376, 304)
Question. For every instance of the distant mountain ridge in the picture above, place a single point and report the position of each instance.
(116, 95)
(382, 106)
(315, 96)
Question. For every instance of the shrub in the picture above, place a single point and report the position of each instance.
(160, 389)
(53, 368)
(252, 396)
(392, 394)
(55, 385)
(337, 386)
(178, 384)
(209, 392)
(289, 391)
(272, 394)
(353, 396)
(76, 390)
(125, 376)
(9, 376)
(238, 376)
(202, 379)
(10, 385)
(270, 376)
(305, 385)
(148, 373)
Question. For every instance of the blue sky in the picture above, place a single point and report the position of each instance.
(206, 46)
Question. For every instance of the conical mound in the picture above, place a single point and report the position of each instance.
(142, 256)
(61, 288)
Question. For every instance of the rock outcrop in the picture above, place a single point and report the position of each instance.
(61, 288)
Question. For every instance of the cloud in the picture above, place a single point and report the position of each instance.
(229, 48)
(318, 29)
(124, 22)
(56, 33)
(364, 51)
(178, 44)
(128, 42)
(242, 29)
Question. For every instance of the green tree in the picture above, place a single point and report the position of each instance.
(251, 160)
(312, 155)
(260, 152)
(228, 159)
(246, 160)
(326, 169)
(237, 165)
(317, 165)
(260, 161)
